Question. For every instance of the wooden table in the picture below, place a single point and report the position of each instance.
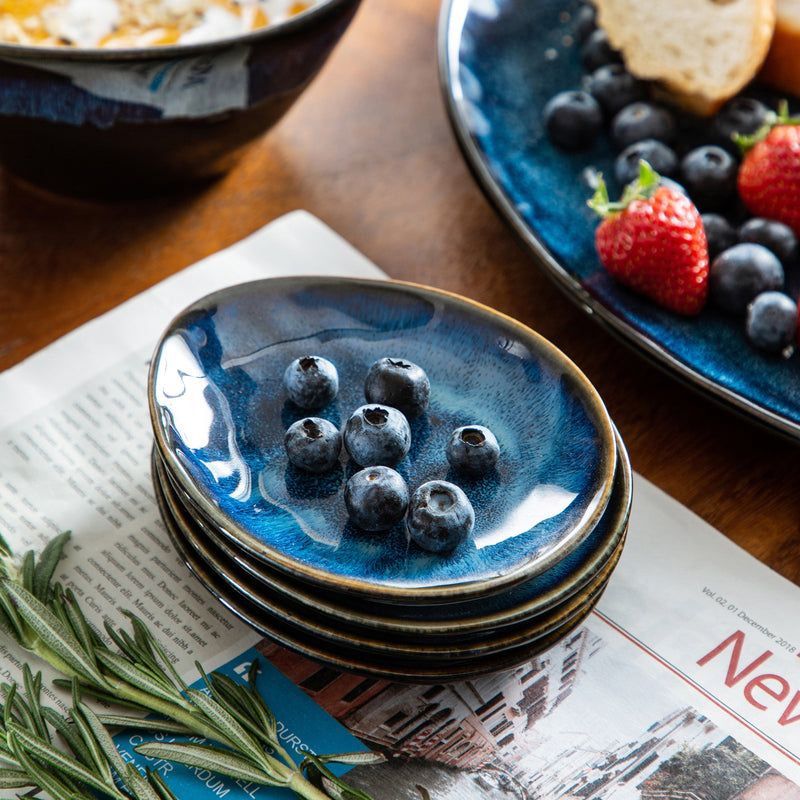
(369, 150)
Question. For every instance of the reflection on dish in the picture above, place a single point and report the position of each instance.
(543, 503)
(198, 413)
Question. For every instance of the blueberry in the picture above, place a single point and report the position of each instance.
(585, 21)
(720, 234)
(614, 88)
(771, 321)
(399, 383)
(668, 183)
(472, 449)
(440, 516)
(596, 51)
(313, 444)
(709, 174)
(742, 115)
(773, 235)
(377, 434)
(659, 156)
(572, 120)
(376, 498)
(740, 273)
(311, 382)
(642, 120)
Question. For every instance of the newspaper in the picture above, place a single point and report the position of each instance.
(683, 683)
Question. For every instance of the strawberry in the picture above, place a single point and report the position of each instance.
(769, 176)
(654, 242)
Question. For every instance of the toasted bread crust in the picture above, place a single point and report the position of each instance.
(781, 68)
(701, 52)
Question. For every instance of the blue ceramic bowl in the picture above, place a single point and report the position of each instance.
(219, 414)
(98, 122)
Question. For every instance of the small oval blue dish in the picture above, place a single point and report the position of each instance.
(219, 413)
(589, 563)
(500, 61)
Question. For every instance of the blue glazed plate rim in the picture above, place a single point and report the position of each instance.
(354, 660)
(603, 553)
(422, 647)
(436, 591)
(453, 15)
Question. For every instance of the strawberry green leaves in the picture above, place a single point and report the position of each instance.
(769, 176)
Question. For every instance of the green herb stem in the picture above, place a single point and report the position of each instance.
(238, 729)
(301, 785)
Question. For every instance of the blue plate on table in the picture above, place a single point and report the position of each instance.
(389, 660)
(500, 62)
(590, 563)
(201, 555)
(219, 414)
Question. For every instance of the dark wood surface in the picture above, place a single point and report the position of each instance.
(369, 150)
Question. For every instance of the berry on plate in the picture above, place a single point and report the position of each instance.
(400, 383)
(774, 235)
(313, 444)
(661, 157)
(376, 498)
(614, 88)
(440, 516)
(740, 273)
(596, 51)
(376, 434)
(709, 174)
(769, 177)
(572, 120)
(642, 120)
(472, 449)
(772, 321)
(740, 116)
(653, 241)
(311, 382)
(720, 233)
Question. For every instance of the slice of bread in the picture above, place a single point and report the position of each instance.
(702, 52)
(781, 69)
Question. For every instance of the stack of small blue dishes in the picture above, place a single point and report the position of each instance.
(275, 544)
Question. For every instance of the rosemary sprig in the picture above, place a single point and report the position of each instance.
(241, 732)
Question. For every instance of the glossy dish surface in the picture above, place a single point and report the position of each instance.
(337, 636)
(343, 626)
(357, 659)
(500, 62)
(219, 413)
(532, 598)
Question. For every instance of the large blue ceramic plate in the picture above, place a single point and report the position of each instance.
(219, 415)
(500, 61)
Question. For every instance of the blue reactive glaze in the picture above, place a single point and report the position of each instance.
(220, 413)
(501, 61)
(569, 575)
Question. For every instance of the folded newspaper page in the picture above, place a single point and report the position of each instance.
(682, 684)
